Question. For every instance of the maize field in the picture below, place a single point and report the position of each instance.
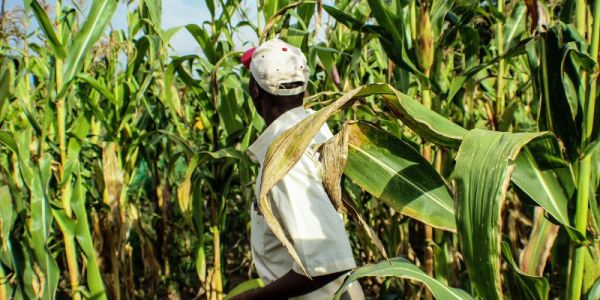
(469, 146)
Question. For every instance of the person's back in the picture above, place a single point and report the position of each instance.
(279, 77)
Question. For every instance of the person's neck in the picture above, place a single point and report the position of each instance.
(272, 112)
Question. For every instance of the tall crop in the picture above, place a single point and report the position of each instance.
(466, 131)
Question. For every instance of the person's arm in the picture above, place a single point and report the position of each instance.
(289, 285)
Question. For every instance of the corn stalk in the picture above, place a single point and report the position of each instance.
(500, 78)
(70, 248)
(585, 164)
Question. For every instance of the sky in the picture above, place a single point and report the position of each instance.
(176, 13)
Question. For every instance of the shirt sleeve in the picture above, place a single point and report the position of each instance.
(315, 228)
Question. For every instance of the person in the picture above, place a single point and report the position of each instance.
(279, 76)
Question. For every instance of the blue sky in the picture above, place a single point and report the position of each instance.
(177, 13)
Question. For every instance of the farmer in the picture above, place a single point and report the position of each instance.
(279, 75)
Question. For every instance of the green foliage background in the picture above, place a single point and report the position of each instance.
(123, 171)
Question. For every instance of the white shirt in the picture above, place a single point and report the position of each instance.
(300, 203)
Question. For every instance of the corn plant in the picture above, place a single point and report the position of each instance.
(468, 128)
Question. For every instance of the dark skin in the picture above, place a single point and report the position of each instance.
(289, 285)
(269, 106)
(292, 284)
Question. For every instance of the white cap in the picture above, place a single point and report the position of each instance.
(276, 62)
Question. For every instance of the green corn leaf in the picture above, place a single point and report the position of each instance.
(175, 65)
(439, 9)
(545, 187)
(203, 156)
(484, 164)
(344, 18)
(517, 50)
(98, 86)
(7, 140)
(169, 33)
(593, 150)
(41, 225)
(157, 135)
(426, 123)
(229, 105)
(210, 4)
(22, 141)
(66, 224)
(183, 191)
(154, 9)
(204, 41)
(31, 117)
(27, 5)
(99, 17)
(297, 34)
(84, 240)
(7, 216)
(392, 171)
(7, 76)
(402, 268)
(272, 7)
(524, 286)
(46, 26)
(245, 286)
(393, 38)
(142, 46)
(23, 262)
(305, 14)
(442, 257)
(594, 292)
(327, 59)
(515, 25)
(591, 274)
(562, 55)
(189, 81)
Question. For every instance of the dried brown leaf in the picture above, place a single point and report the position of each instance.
(348, 206)
(333, 156)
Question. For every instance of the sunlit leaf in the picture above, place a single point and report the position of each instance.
(245, 286)
(396, 174)
(97, 20)
(484, 164)
(48, 29)
(402, 268)
(41, 226)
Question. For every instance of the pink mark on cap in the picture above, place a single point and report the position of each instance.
(247, 57)
(284, 49)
